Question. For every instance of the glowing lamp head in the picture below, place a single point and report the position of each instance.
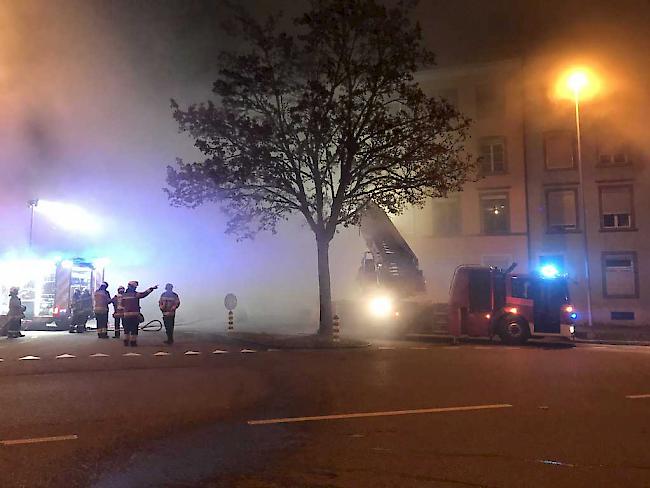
(513, 310)
(381, 306)
(577, 81)
(568, 309)
(549, 271)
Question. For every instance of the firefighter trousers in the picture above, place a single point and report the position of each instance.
(169, 321)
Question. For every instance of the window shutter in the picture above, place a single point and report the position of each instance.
(616, 200)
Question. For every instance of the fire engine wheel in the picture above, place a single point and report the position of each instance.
(514, 330)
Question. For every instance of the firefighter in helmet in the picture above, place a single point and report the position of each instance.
(132, 315)
(118, 310)
(102, 300)
(77, 323)
(16, 314)
(168, 304)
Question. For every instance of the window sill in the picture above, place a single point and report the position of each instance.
(563, 231)
(619, 229)
(628, 297)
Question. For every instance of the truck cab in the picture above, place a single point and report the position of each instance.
(486, 301)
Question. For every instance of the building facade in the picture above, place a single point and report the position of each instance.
(525, 205)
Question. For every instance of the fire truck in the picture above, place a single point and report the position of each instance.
(47, 285)
(487, 301)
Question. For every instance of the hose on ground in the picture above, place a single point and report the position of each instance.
(151, 327)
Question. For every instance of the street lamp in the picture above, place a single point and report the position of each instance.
(32, 205)
(579, 82)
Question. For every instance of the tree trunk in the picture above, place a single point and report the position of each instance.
(324, 287)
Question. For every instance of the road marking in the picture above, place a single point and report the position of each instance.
(454, 348)
(272, 350)
(247, 350)
(637, 397)
(29, 358)
(65, 356)
(219, 351)
(419, 348)
(483, 347)
(161, 353)
(36, 440)
(192, 353)
(99, 355)
(130, 354)
(384, 348)
(378, 414)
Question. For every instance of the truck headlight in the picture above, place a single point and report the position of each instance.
(381, 306)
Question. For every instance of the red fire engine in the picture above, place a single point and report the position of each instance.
(486, 301)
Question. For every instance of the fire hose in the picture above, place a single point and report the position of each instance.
(151, 327)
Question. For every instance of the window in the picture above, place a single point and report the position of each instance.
(561, 210)
(620, 277)
(616, 207)
(495, 213)
(492, 155)
(613, 153)
(559, 150)
(490, 101)
(446, 216)
(616, 159)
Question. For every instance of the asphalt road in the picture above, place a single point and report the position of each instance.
(394, 414)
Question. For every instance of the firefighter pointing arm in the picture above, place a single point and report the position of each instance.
(132, 316)
(168, 303)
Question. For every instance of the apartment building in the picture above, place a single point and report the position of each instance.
(526, 205)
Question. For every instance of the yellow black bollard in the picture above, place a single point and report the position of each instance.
(231, 321)
(335, 328)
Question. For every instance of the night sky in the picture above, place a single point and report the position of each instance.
(85, 88)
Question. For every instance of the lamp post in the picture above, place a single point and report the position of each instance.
(32, 205)
(576, 82)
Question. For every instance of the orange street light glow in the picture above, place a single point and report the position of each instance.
(578, 82)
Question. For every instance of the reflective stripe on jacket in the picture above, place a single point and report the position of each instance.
(131, 302)
(168, 303)
(102, 299)
(118, 308)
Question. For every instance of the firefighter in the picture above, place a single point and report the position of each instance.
(118, 310)
(132, 315)
(77, 323)
(16, 314)
(102, 300)
(168, 304)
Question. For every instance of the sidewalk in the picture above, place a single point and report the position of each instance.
(613, 334)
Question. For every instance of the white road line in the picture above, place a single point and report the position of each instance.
(29, 358)
(36, 440)
(192, 353)
(161, 353)
(378, 414)
(65, 356)
(636, 397)
(483, 347)
(272, 350)
(130, 354)
(99, 355)
(418, 348)
(219, 351)
(455, 348)
(384, 348)
(247, 350)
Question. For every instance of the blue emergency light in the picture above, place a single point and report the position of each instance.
(549, 271)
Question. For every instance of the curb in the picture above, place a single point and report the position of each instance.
(613, 342)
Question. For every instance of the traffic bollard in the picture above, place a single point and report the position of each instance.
(335, 328)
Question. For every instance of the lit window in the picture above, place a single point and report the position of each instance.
(620, 275)
(492, 155)
(561, 210)
(495, 214)
(559, 150)
(616, 207)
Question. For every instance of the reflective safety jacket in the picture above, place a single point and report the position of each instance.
(102, 299)
(16, 308)
(168, 303)
(118, 308)
(131, 301)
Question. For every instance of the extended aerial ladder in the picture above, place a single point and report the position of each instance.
(389, 263)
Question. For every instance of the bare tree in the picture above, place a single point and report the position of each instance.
(319, 122)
